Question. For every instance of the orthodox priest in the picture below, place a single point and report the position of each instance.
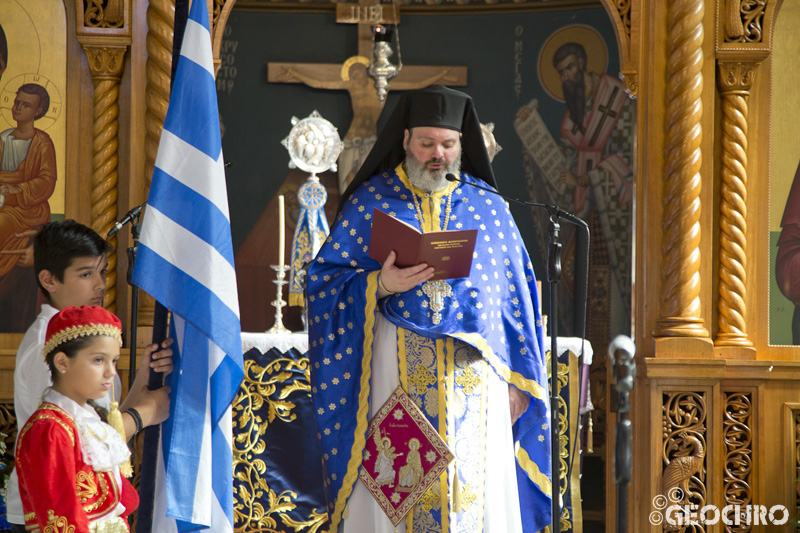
(468, 351)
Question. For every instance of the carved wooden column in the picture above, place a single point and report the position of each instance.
(735, 80)
(740, 48)
(104, 32)
(160, 32)
(106, 65)
(680, 274)
(160, 22)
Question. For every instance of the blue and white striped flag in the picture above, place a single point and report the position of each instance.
(185, 261)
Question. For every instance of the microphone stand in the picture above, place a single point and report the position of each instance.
(133, 216)
(135, 231)
(553, 277)
(621, 351)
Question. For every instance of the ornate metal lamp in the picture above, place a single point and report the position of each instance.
(314, 146)
(380, 68)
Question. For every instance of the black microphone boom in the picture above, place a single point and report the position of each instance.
(552, 210)
(132, 214)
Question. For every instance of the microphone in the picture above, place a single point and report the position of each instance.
(551, 209)
(132, 214)
(621, 352)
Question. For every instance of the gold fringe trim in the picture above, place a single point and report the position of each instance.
(456, 490)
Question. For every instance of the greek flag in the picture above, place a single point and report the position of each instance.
(185, 261)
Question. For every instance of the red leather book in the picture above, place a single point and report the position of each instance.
(403, 457)
(448, 252)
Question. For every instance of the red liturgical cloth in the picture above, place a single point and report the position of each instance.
(404, 456)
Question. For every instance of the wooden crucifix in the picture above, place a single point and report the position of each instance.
(352, 77)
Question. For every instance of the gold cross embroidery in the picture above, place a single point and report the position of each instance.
(468, 497)
(468, 380)
(429, 500)
(436, 291)
(422, 379)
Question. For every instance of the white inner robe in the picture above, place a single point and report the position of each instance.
(501, 504)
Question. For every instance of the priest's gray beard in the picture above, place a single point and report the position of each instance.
(430, 180)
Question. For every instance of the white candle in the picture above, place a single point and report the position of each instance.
(281, 231)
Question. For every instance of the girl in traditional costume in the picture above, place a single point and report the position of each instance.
(70, 463)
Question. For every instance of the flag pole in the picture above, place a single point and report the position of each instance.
(152, 435)
(185, 261)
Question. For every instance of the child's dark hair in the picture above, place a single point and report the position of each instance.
(70, 349)
(58, 244)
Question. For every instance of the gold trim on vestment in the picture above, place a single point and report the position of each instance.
(444, 363)
(509, 376)
(362, 415)
(532, 469)
(402, 370)
(402, 362)
(43, 416)
(431, 221)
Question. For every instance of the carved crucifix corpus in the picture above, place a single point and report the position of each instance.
(351, 76)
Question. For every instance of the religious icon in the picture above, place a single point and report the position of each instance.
(411, 472)
(32, 139)
(384, 465)
(784, 190)
(584, 164)
(400, 420)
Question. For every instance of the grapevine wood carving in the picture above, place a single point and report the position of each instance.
(738, 436)
(683, 477)
(744, 21)
(103, 13)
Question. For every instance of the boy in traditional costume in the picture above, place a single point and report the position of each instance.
(70, 265)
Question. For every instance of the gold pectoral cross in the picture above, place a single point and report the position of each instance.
(436, 292)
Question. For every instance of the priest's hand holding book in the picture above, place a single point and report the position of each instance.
(410, 257)
(394, 279)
